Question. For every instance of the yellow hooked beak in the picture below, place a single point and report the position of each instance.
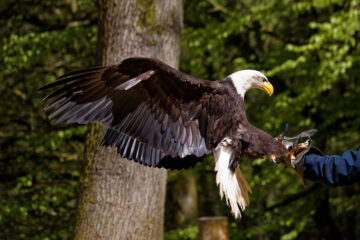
(268, 88)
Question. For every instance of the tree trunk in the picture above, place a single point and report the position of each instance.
(213, 228)
(122, 199)
(181, 201)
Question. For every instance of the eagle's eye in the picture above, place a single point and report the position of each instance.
(264, 80)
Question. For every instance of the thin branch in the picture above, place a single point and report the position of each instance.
(218, 7)
(294, 197)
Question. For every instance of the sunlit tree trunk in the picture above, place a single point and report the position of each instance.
(182, 201)
(122, 199)
(213, 228)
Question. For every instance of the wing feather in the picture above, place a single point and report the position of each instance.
(152, 110)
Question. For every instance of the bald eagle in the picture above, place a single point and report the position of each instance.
(161, 117)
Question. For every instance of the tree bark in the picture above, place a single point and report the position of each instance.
(122, 199)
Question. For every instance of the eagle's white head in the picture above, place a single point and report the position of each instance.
(247, 79)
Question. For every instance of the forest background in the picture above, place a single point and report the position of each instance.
(309, 50)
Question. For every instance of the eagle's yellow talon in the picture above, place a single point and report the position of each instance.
(273, 158)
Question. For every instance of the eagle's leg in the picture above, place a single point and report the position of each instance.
(295, 150)
(229, 178)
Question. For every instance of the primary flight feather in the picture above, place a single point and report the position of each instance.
(161, 117)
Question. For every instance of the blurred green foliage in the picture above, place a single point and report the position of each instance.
(39, 162)
(310, 52)
(308, 48)
(189, 232)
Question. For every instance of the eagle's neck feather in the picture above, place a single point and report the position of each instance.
(240, 88)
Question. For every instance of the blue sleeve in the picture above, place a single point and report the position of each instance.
(333, 170)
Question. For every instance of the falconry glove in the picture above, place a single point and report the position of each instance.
(298, 150)
(298, 163)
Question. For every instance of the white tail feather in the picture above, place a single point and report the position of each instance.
(232, 184)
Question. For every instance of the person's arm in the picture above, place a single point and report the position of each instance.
(333, 170)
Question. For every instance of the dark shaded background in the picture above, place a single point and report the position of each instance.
(310, 52)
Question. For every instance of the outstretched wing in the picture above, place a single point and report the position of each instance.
(156, 115)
